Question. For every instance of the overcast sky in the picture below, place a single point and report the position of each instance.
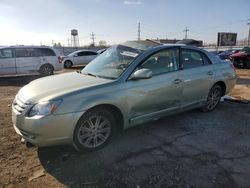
(41, 21)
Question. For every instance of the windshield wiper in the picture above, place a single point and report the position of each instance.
(89, 74)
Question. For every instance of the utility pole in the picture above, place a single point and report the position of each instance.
(186, 30)
(92, 37)
(248, 41)
(68, 42)
(139, 31)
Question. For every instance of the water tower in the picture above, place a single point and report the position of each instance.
(74, 38)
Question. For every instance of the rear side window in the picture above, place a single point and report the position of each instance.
(6, 53)
(45, 52)
(86, 53)
(91, 53)
(25, 52)
(193, 58)
(206, 61)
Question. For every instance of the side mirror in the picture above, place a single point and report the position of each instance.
(142, 74)
(75, 55)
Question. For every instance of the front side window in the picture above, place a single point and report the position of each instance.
(191, 59)
(162, 62)
(6, 53)
(25, 52)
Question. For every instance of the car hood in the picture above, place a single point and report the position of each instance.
(50, 87)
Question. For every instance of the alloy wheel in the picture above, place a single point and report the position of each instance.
(94, 131)
(213, 98)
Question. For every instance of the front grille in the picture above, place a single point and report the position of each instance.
(19, 105)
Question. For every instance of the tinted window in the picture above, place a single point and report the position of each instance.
(91, 53)
(25, 52)
(86, 53)
(162, 62)
(6, 53)
(206, 61)
(191, 59)
(246, 49)
(45, 52)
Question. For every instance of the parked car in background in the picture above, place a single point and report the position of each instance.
(29, 59)
(80, 57)
(227, 53)
(216, 52)
(101, 51)
(242, 58)
(126, 85)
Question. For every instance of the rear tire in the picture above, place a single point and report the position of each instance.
(247, 64)
(68, 64)
(46, 70)
(213, 98)
(94, 130)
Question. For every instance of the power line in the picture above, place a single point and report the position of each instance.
(139, 31)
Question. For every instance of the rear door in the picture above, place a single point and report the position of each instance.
(27, 60)
(7, 61)
(197, 76)
(80, 58)
(47, 56)
(91, 56)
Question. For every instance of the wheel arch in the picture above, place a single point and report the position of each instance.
(222, 85)
(114, 110)
(42, 65)
(69, 60)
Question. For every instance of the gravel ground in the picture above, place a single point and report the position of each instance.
(191, 149)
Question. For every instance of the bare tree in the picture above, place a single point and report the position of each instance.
(102, 43)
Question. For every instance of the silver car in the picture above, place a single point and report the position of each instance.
(80, 57)
(29, 60)
(127, 85)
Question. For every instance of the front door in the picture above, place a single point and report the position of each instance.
(7, 62)
(153, 97)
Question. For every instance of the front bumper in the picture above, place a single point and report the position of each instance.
(46, 131)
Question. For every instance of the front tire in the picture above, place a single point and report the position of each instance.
(94, 130)
(213, 98)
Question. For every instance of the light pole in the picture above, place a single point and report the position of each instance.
(248, 23)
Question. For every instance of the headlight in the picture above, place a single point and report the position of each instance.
(44, 108)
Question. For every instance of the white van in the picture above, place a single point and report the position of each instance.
(29, 60)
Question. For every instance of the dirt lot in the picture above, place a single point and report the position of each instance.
(192, 149)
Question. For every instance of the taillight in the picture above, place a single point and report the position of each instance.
(60, 59)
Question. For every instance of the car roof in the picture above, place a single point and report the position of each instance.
(141, 44)
(84, 51)
(28, 46)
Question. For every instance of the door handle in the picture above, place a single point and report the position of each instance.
(210, 73)
(177, 81)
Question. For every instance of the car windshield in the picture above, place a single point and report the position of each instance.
(113, 62)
